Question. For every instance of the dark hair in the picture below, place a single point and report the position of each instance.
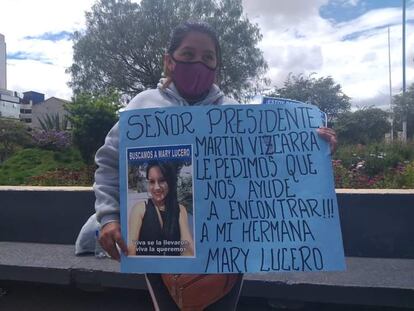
(181, 31)
(170, 229)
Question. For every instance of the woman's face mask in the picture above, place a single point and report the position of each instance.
(193, 79)
(193, 65)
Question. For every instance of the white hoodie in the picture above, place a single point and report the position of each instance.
(106, 184)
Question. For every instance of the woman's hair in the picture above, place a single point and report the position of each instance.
(181, 31)
(171, 227)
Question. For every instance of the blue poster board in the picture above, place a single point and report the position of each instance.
(254, 182)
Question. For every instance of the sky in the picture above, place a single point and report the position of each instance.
(344, 39)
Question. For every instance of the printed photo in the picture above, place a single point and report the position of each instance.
(160, 201)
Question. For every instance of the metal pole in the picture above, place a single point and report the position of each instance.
(390, 82)
(403, 45)
(404, 117)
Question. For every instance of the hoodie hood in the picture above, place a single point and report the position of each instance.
(214, 96)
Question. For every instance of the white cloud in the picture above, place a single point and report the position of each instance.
(296, 39)
(281, 14)
(36, 76)
(23, 18)
(347, 3)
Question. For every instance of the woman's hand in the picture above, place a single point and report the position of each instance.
(330, 136)
(109, 237)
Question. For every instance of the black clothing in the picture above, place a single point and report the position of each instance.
(152, 236)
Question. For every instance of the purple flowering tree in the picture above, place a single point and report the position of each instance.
(52, 139)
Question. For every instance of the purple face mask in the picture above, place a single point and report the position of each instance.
(193, 79)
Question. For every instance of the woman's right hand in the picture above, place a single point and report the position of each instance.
(110, 236)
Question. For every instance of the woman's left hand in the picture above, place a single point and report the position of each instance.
(330, 136)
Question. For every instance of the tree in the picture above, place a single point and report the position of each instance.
(404, 108)
(362, 126)
(322, 92)
(13, 135)
(91, 118)
(124, 42)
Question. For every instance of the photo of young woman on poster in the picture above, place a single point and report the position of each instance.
(159, 225)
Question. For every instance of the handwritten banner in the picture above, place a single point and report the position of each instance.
(255, 181)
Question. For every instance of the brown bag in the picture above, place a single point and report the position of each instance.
(194, 292)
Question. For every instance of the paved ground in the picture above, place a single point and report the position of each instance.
(367, 281)
(16, 296)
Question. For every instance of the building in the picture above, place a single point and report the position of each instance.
(9, 100)
(3, 65)
(52, 106)
(34, 97)
(10, 104)
(28, 107)
(26, 112)
(30, 98)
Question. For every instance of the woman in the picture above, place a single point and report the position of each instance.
(160, 218)
(190, 65)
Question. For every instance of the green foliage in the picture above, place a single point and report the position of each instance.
(399, 177)
(375, 166)
(387, 155)
(362, 127)
(185, 193)
(26, 163)
(13, 136)
(406, 179)
(124, 43)
(322, 92)
(64, 177)
(404, 109)
(91, 118)
(54, 122)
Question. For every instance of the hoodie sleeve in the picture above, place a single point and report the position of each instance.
(106, 184)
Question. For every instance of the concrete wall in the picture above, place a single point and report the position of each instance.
(375, 223)
(44, 214)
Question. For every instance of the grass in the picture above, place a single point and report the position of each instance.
(26, 163)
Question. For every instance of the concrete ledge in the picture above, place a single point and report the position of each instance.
(377, 232)
(367, 281)
(44, 188)
(374, 191)
(375, 223)
(73, 188)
